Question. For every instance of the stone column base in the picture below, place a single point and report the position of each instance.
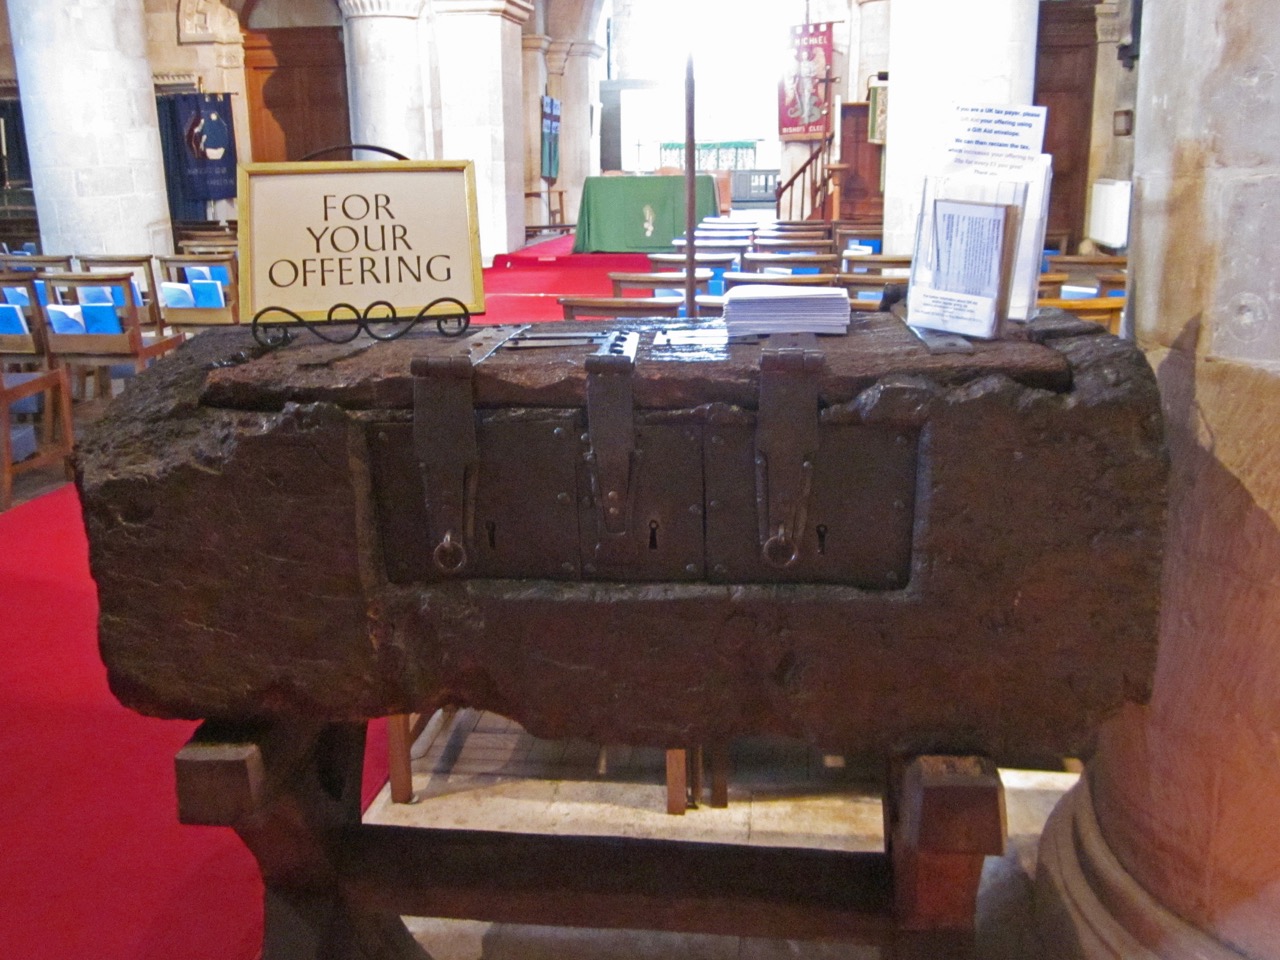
(1089, 908)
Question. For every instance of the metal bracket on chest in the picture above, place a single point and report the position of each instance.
(791, 367)
(611, 432)
(444, 442)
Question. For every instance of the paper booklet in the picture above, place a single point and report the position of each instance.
(779, 308)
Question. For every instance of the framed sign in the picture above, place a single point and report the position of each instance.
(313, 235)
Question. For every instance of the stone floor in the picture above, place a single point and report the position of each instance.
(484, 772)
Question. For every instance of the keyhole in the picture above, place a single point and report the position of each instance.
(491, 528)
(822, 538)
(653, 534)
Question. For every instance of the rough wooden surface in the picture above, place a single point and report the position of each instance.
(239, 569)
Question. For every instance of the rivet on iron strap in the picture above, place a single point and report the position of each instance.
(611, 431)
(791, 368)
(444, 441)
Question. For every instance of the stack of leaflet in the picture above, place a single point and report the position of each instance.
(777, 308)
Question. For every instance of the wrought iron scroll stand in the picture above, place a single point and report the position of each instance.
(280, 333)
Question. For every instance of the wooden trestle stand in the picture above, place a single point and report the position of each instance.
(336, 888)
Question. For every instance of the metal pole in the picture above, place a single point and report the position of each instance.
(690, 196)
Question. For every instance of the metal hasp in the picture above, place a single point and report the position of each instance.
(444, 442)
(612, 456)
(786, 443)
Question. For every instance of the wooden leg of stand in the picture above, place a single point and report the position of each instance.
(695, 775)
(943, 816)
(286, 790)
(677, 783)
(720, 775)
(399, 770)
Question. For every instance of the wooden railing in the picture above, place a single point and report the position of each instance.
(804, 196)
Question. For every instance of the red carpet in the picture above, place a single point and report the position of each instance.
(95, 865)
(93, 862)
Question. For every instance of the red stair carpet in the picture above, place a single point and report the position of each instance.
(93, 862)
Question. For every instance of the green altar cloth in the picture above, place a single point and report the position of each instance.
(637, 214)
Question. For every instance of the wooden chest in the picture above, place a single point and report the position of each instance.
(641, 533)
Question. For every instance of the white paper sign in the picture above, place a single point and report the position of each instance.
(993, 136)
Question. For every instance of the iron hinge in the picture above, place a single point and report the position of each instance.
(791, 368)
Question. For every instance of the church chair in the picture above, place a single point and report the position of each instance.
(105, 334)
(198, 292)
(145, 288)
(658, 280)
(1104, 310)
(33, 441)
(577, 307)
(1050, 285)
(709, 259)
(791, 243)
(814, 262)
(735, 278)
(888, 263)
(22, 328)
(26, 263)
(1111, 284)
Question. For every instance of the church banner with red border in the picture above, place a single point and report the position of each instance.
(804, 93)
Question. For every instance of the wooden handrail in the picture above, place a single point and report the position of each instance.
(812, 177)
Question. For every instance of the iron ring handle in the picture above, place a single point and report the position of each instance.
(449, 556)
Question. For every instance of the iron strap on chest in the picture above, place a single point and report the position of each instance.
(611, 492)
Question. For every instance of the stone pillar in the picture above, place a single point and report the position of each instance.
(483, 101)
(535, 85)
(982, 52)
(90, 114)
(873, 44)
(1182, 795)
(384, 75)
(571, 76)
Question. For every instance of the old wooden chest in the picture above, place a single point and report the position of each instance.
(639, 533)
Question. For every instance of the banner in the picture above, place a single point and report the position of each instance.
(550, 138)
(804, 95)
(207, 166)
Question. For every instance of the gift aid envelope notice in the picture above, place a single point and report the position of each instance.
(314, 235)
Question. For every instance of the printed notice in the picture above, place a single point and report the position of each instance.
(962, 284)
(968, 239)
(996, 137)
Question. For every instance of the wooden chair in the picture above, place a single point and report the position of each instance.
(845, 235)
(21, 263)
(711, 260)
(658, 280)
(578, 307)
(766, 244)
(44, 442)
(143, 268)
(1112, 283)
(28, 350)
(735, 278)
(111, 337)
(875, 262)
(1085, 264)
(714, 245)
(1050, 285)
(757, 262)
(1104, 310)
(175, 270)
(823, 228)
